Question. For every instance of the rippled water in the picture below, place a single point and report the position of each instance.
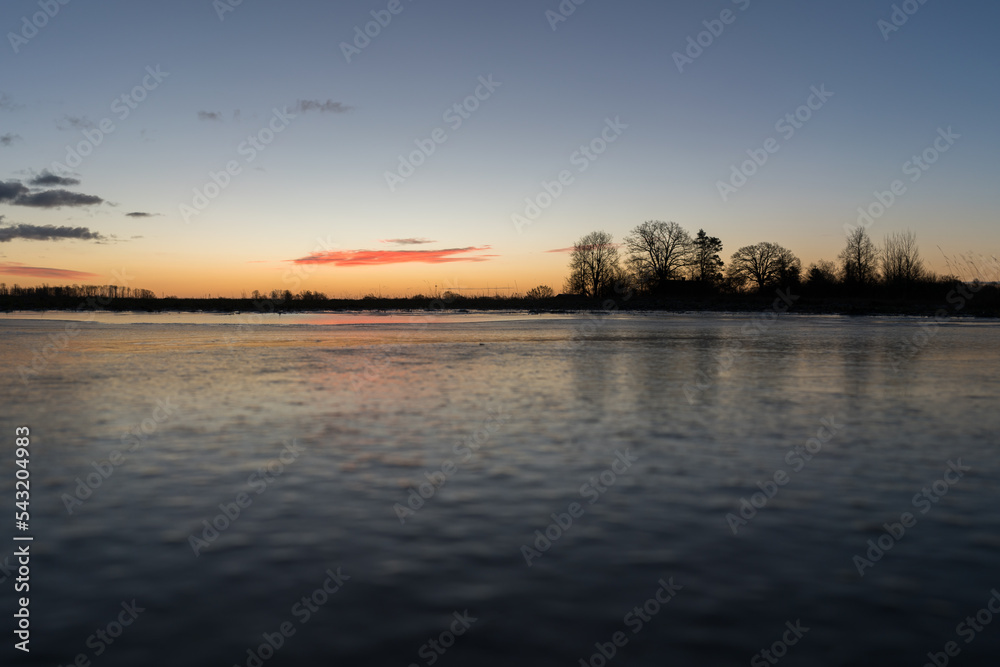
(526, 415)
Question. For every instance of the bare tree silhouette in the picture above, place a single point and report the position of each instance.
(593, 265)
(764, 264)
(658, 252)
(859, 260)
(540, 292)
(900, 258)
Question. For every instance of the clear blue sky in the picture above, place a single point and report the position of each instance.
(324, 174)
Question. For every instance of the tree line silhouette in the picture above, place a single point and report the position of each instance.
(658, 266)
(662, 260)
(77, 292)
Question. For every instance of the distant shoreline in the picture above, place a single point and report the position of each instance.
(986, 304)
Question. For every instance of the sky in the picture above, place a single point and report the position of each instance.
(202, 147)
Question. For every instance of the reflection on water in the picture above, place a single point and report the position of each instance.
(485, 427)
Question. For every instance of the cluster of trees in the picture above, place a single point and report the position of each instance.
(122, 292)
(77, 292)
(118, 297)
(286, 295)
(657, 255)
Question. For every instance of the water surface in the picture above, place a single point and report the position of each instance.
(524, 413)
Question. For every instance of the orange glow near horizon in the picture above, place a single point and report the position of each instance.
(233, 279)
(469, 270)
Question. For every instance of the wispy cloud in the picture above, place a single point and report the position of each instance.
(47, 233)
(9, 138)
(382, 257)
(209, 115)
(140, 214)
(48, 178)
(75, 123)
(410, 241)
(302, 106)
(7, 102)
(585, 247)
(18, 269)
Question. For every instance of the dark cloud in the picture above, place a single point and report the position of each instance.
(9, 138)
(17, 194)
(302, 106)
(409, 241)
(11, 190)
(140, 214)
(47, 233)
(209, 115)
(56, 199)
(48, 178)
(6, 102)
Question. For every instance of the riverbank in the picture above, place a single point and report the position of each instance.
(984, 303)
